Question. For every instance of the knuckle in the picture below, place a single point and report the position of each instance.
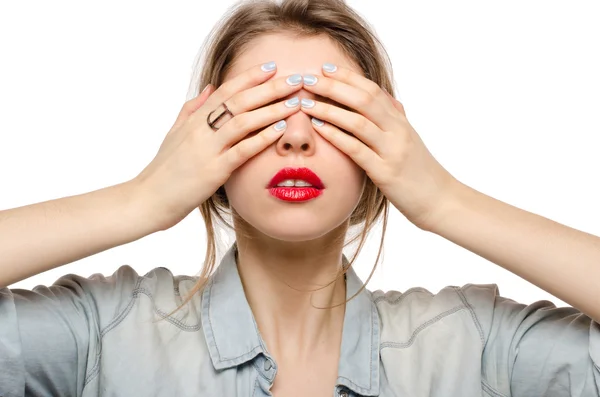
(275, 111)
(327, 111)
(232, 103)
(364, 100)
(373, 89)
(236, 152)
(275, 89)
(257, 76)
(242, 150)
(264, 139)
(360, 122)
(328, 88)
(267, 114)
(353, 149)
(278, 85)
(281, 109)
(236, 122)
(226, 89)
(188, 106)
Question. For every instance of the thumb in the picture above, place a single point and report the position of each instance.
(193, 104)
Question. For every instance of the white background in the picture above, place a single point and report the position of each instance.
(505, 95)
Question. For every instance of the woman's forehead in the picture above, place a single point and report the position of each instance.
(292, 54)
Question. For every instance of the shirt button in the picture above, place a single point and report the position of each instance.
(269, 365)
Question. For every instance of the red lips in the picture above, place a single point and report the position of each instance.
(296, 173)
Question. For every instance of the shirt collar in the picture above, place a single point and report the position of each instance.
(233, 338)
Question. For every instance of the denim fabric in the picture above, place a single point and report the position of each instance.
(96, 337)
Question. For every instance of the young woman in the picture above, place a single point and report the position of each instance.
(298, 138)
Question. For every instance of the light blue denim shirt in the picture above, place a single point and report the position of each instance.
(95, 337)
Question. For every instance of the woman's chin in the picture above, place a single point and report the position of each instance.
(294, 229)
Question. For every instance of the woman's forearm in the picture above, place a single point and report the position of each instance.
(42, 236)
(559, 259)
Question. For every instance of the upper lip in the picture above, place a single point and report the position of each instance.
(302, 173)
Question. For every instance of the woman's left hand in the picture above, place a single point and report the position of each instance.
(384, 144)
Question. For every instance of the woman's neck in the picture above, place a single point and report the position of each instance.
(289, 288)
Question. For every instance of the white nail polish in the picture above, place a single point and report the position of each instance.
(317, 122)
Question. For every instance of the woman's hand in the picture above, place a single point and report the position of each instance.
(194, 161)
(383, 143)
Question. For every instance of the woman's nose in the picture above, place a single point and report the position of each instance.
(299, 136)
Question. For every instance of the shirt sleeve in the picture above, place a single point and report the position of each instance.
(50, 337)
(536, 349)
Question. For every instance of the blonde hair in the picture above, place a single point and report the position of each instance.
(247, 21)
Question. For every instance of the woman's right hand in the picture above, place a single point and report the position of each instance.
(194, 161)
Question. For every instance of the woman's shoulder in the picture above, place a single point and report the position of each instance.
(463, 307)
(116, 296)
(158, 280)
(471, 310)
(450, 295)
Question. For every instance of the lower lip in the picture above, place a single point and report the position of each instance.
(295, 193)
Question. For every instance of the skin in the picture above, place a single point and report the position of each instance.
(291, 252)
(396, 160)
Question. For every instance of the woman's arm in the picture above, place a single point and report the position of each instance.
(559, 259)
(43, 236)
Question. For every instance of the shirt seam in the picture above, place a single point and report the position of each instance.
(434, 320)
(210, 325)
(402, 296)
(223, 359)
(111, 325)
(420, 328)
(360, 389)
(257, 349)
(256, 386)
(463, 298)
(123, 314)
(490, 390)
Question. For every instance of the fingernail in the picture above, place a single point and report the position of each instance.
(280, 126)
(329, 67)
(205, 88)
(309, 79)
(307, 103)
(268, 67)
(317, 122)
(290, 103)
(294, 79)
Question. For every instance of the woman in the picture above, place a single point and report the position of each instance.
(297, 136)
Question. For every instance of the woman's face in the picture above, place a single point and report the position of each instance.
(299, 146)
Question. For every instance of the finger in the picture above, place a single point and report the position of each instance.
(252, 77)
(263, 94)
(368, 103)
(246, 149)
(351, 122)
(259, 96)
(239, 126)
(192, 105)
(350, 77)
(362, 155)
